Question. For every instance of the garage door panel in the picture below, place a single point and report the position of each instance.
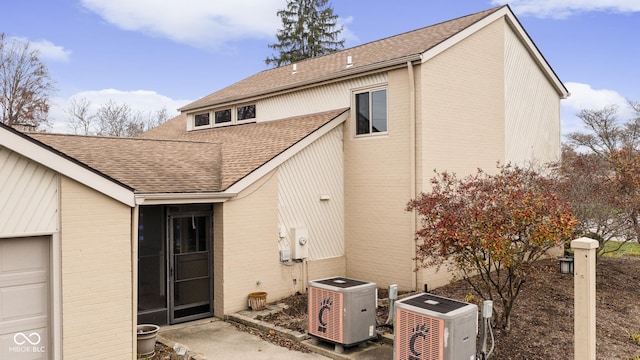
(24, 298)
(23, 255)
(8, 328)
(26, 278)
(23, 301)
(30, 344)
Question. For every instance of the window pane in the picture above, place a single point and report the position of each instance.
(362, 113)
(379, 111)
(246, 112)
(222, 116)
(202, 119)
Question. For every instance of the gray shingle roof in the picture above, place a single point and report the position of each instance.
(168, 159)
(145, 165)
(334, 65)
(246, 147)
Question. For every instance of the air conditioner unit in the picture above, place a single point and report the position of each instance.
(342, 311)
(433, 327)
(300, 243)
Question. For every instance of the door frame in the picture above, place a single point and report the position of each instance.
(170, 264)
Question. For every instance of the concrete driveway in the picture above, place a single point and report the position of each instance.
(216, 339)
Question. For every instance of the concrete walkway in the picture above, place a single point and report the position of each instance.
(216, 339)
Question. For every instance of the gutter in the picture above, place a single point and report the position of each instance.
(183, 198)
(323, 80)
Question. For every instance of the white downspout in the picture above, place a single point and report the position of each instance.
(412, 155)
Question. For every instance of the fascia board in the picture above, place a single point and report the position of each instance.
(182, 198)
(286, 155)
(522, 35)
(33, 150)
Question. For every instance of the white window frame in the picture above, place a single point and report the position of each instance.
(370, 91)
(212, 117)
(201, 126)
(244, 121)
(226, 123)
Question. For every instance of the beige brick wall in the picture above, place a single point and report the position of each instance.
(463, 109)
(378, 234)
(325, 268)
(96, 275)
(462, 114)
(246, 251)
(251, 245)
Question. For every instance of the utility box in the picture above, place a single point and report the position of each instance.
(342, 311)
(299, 243)
(433, 327)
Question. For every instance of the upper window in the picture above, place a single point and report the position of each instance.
(371, 112)
(246, 112)
(222, 116)
(201, 119)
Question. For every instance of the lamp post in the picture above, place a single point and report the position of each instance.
(566, 265)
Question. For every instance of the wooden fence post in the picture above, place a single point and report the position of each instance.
(584, 267)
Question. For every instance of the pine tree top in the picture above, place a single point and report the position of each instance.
(309, 29)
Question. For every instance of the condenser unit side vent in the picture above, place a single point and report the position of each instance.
(325, 314)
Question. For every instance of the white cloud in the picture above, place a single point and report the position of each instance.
(139, 101)
(584, 97)
(200, 23)
(47, 49)
(348, 35)
(560, 9)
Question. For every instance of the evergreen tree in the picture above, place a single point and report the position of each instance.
(309, 29)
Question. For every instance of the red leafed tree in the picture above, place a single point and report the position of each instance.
(493, 226)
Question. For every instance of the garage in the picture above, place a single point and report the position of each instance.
(24, 297)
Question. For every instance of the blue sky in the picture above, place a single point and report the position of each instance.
(154, 54)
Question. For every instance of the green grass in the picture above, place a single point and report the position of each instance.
(629, 249)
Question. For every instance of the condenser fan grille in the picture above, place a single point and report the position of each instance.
(325, 314)
(418, 337)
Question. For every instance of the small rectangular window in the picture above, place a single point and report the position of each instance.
(201, 119)
(246, 112)
(222, 116)
(371, 112)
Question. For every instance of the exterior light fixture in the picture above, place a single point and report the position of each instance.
(566, 265)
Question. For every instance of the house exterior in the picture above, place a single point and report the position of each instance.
(61, 223)
(304, 171)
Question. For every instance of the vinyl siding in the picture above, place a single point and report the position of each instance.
(96, 275)
(316, 170)
(28, 196)
(532, 107)
(317, 99)
(378, 233)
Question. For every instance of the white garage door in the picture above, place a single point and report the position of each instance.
(24, 298)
